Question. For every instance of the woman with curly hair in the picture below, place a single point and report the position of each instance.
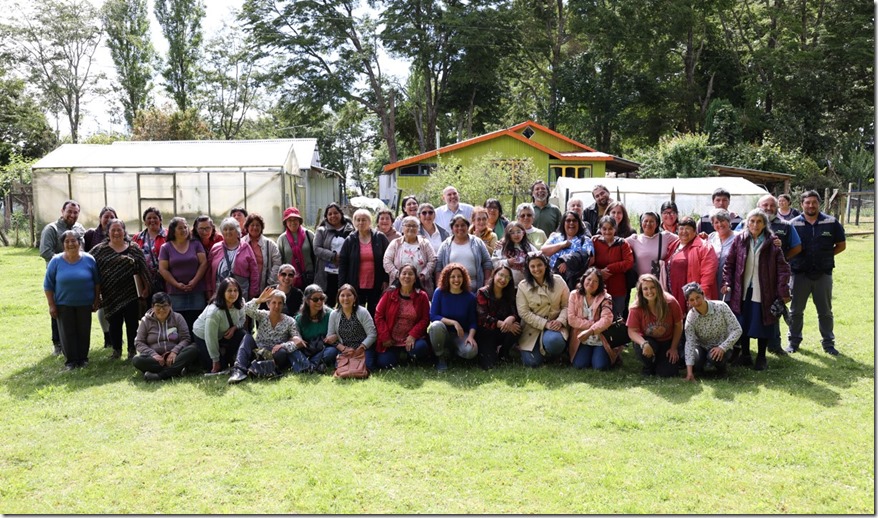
(453, 316)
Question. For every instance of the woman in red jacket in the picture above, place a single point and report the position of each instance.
(613, 256)
(690, 259)
(401, 318)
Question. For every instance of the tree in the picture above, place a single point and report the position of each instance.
(230, 81)
(490, 176)
(126, 23)
(181, 25)
(24, 129)
(55, 44)
(166, 124)
(327, 57)
(683, 156)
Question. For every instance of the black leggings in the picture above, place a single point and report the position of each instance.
(130, 315)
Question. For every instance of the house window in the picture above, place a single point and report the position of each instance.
(572, 171)
(528, 132)
(417, 170)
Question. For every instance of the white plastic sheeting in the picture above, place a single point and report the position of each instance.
(692, 195)
(185, 178)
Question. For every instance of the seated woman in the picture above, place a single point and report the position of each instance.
(285, 278)
(570, 239)
(590, 313)
(513, 250)
(655, 325)
(351, 327)
(711, 332)
(164, 346)
(219, 329)
(542, 304)
(276, 332)
(401, 318)
(499, 325)
(453, 316)
(313, 324)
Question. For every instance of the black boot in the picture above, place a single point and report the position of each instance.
(745, 360)
(761, 362)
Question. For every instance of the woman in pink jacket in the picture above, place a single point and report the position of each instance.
(690, 259)
(589, 314)
(228, 258)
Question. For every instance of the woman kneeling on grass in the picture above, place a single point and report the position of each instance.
(655, 325)
(351, 327)
(711, 332)
(542, 304)
(163, 342)
(220, 328)
(453, 316)
(402, 317)
(499, 325)
(275, 332)
(590, 313)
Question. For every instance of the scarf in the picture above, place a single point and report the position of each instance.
(298, 258)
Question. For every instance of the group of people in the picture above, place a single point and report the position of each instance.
(441, 284)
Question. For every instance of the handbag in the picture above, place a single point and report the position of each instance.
(617, 334)
(263, 369)
(351, 364)
(656, 265)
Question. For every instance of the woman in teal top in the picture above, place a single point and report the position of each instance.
(313, 323)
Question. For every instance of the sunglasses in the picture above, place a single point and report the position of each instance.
(427, 213)
(317, 299)
(286, 274)
(525, 215)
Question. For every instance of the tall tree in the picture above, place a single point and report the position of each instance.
(230, 81)
(181, 25)
(327, 56)
(55, 44)
(126, 23)
(23, 127)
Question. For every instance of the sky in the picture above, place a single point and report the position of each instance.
(97, 117)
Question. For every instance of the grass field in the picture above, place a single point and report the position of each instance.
(797, 438)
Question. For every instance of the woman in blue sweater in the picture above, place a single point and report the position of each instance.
(453, 316)
(72, 286)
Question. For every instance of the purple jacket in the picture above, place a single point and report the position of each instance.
(774, 274)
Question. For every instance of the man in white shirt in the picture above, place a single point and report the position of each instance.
(452, 208)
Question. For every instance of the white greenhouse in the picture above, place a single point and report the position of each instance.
(692, 195)
(185, 178)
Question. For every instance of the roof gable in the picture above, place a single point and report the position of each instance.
(515, 132)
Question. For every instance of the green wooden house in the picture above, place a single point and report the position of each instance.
(558, 155)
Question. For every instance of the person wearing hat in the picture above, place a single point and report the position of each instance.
(296, 247)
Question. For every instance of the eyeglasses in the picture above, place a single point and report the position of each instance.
(317, 299)
(161, 306)
(570, 221)
(410, 226)
(427, 213)
(286, 274)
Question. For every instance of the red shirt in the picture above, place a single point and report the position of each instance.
(646, 324)
(367, 267)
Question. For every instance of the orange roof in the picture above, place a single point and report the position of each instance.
(512, 132)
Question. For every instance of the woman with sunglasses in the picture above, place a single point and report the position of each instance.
(570, 239)
(434, 233)
(313, 324)
(525, 216)
(285, 275)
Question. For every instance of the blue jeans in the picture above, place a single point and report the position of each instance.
(594, 356)
(390, 357)
(554, 344)
(444, 339)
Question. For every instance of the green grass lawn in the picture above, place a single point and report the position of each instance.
(797, 438)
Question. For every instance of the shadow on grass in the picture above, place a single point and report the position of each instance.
(821, 378)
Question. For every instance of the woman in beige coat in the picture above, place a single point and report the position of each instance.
(542, 305)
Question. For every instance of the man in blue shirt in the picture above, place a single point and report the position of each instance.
(822, 239)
